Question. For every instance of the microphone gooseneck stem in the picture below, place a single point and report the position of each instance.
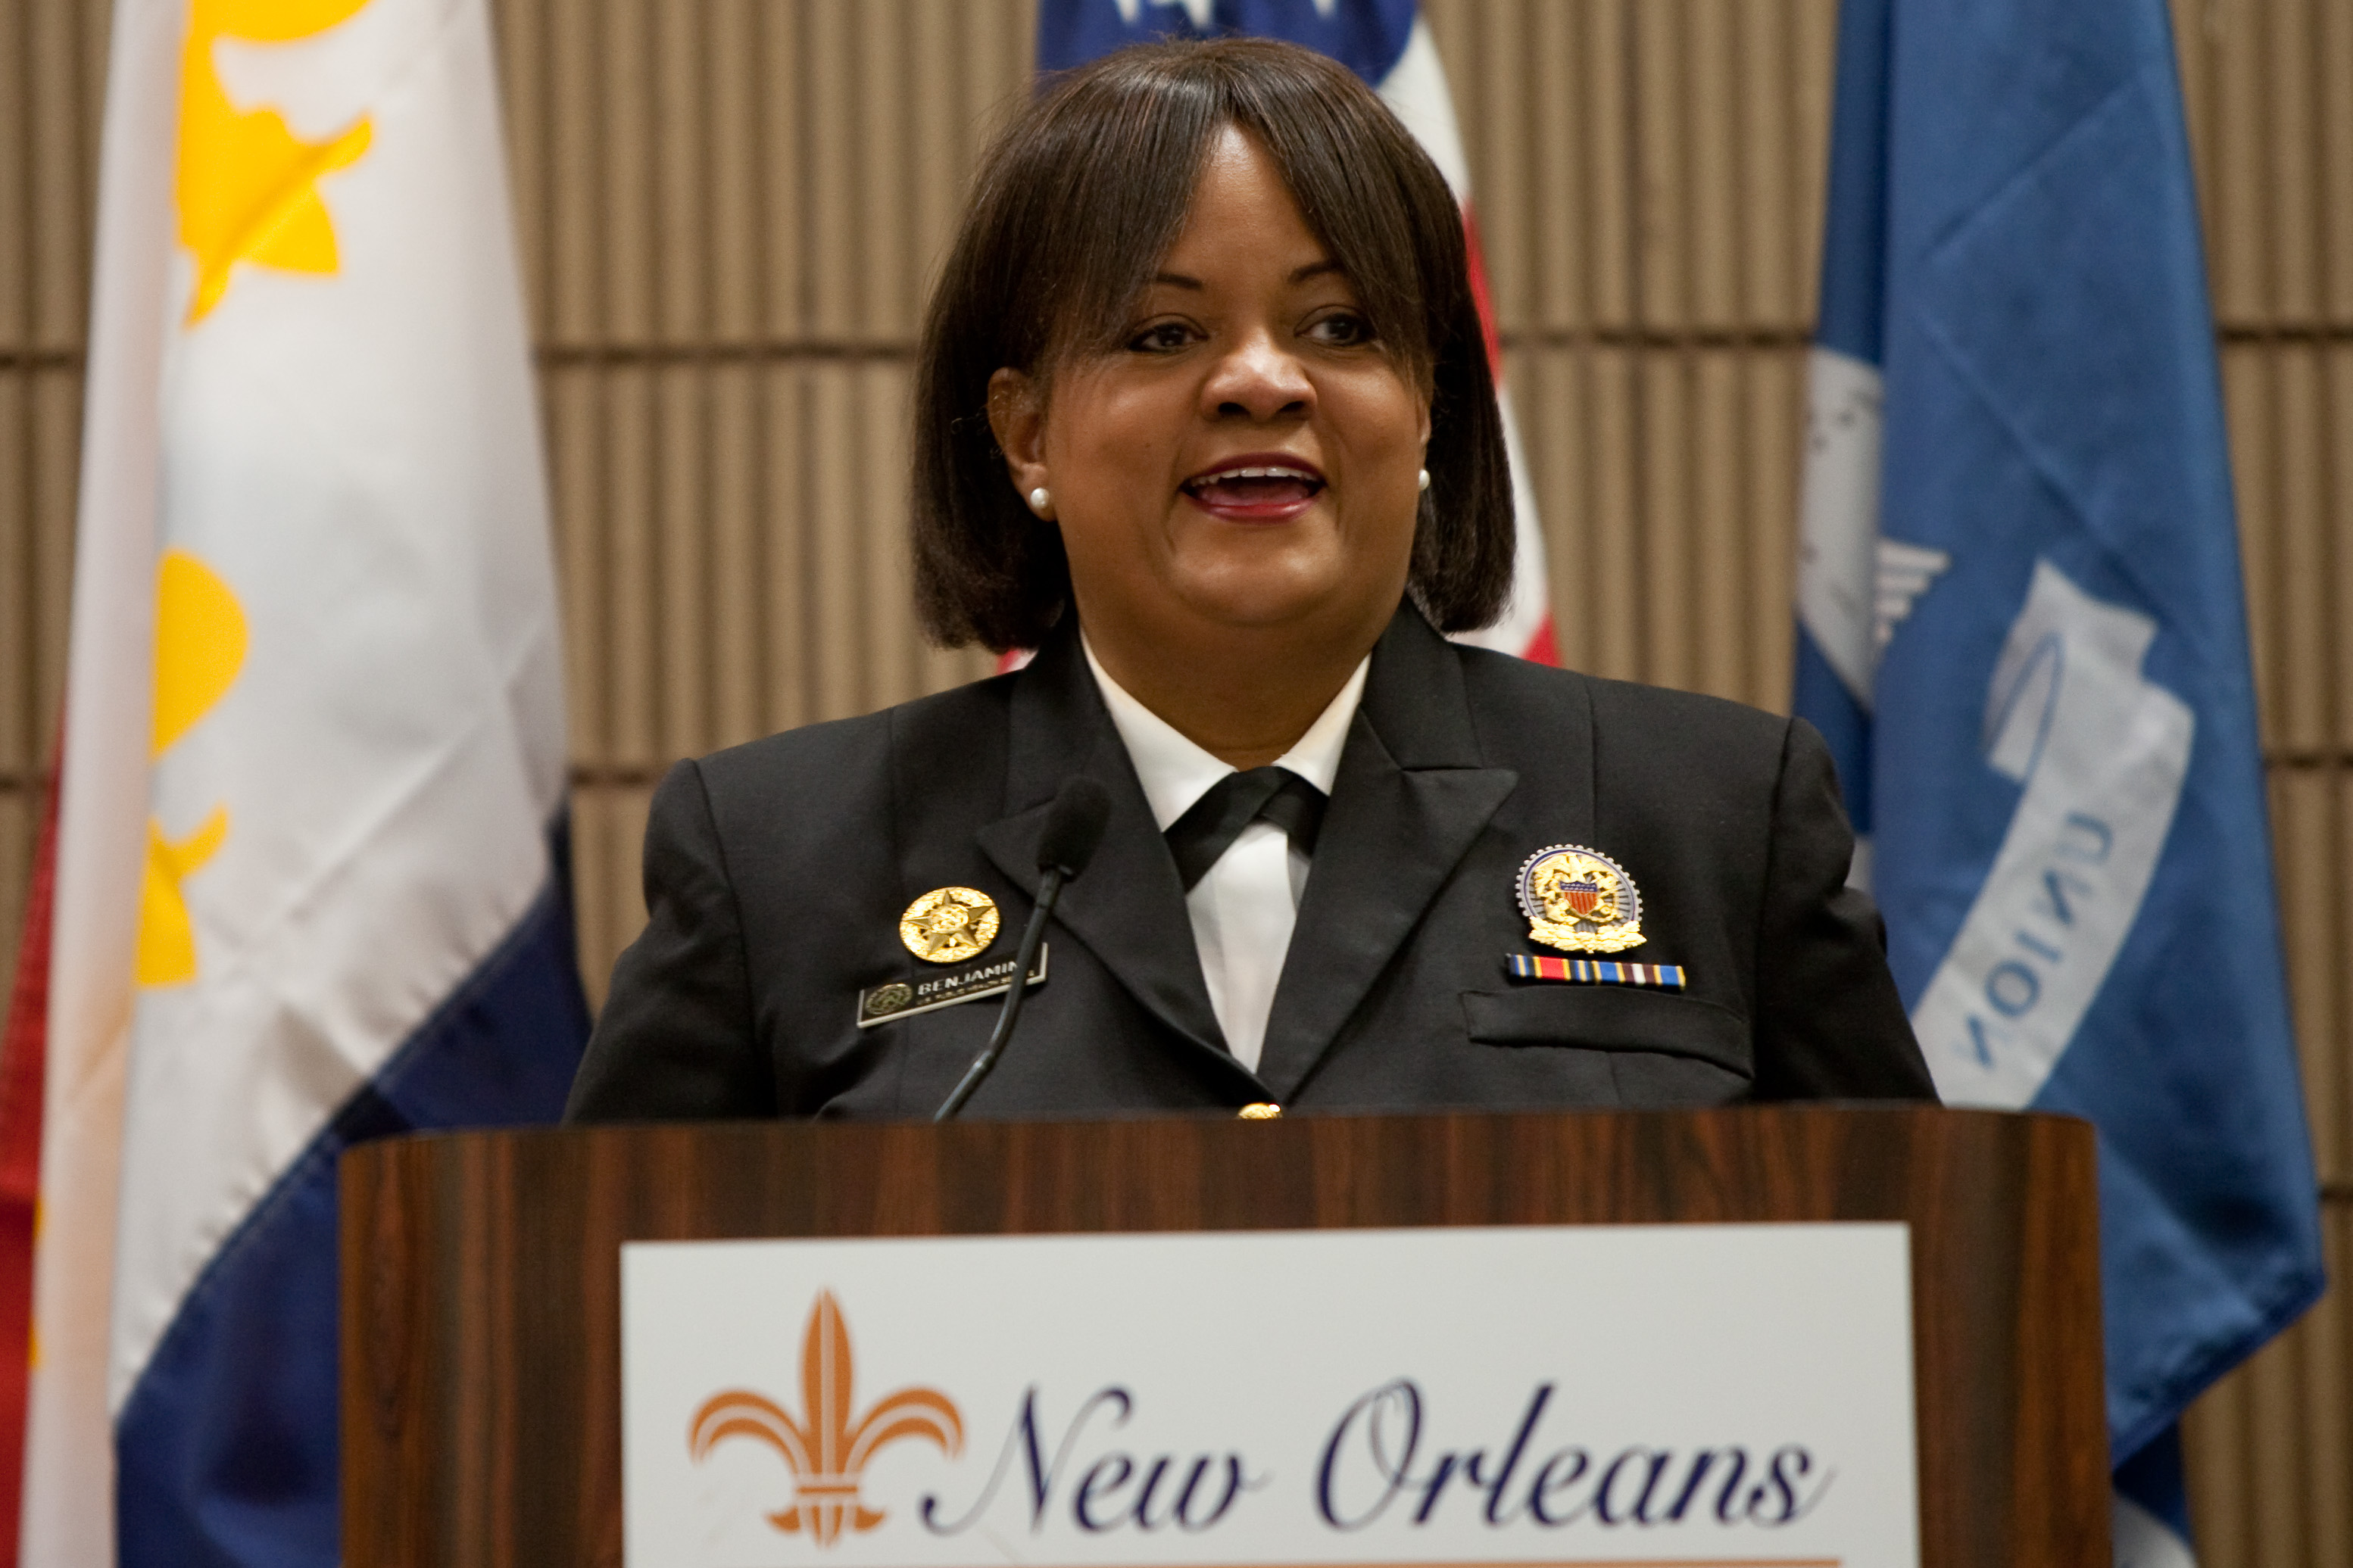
(1050, 889)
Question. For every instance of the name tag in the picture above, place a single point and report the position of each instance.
(904, 998)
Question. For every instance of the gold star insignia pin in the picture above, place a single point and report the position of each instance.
(949, 925)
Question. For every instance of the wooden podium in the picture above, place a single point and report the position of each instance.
(481, 1274)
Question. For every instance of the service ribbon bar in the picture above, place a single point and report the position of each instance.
(1596, 971)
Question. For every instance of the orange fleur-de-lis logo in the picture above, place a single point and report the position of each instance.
(828, 1451)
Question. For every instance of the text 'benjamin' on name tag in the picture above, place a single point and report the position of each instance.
(898, 999)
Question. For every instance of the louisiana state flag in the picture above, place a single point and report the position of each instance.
(2022, 629)
(1388, 44)
(310, 878)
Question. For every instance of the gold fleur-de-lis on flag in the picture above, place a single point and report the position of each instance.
(828, 1452)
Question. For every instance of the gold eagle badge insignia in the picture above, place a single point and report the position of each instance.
(1580, 900)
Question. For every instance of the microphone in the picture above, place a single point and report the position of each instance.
(1074, 826)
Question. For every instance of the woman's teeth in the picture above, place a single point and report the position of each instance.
(1255, 486)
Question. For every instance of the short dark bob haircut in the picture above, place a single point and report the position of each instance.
(1076, 202)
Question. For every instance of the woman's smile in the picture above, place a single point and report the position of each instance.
(1256, 488)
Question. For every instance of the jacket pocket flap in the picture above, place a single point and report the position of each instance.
(1610, 1018)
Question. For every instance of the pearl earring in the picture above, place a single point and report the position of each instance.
(1425, 478)
(1040, 500)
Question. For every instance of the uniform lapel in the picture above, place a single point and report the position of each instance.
(1410, 797)
(1127, 908)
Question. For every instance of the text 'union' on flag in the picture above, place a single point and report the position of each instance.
(2022, 629)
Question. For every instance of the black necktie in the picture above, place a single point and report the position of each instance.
(1210, 828)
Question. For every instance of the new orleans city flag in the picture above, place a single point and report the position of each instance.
(2021, 626)
(310, 883)
(1388, 44)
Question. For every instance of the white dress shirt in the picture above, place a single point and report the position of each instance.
(1244, 910)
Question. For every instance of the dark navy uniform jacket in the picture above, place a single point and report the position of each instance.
(776, 873)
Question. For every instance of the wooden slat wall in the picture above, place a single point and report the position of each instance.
(1647, 179)
(729, 210)
(52, 75)
(2270, 90)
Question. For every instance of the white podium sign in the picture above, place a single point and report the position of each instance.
(1692, 1394)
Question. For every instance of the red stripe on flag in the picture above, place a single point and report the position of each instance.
(23, 1056)
(1481, 295)
(1541, 648)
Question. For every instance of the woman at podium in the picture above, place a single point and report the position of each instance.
(1204, 415)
